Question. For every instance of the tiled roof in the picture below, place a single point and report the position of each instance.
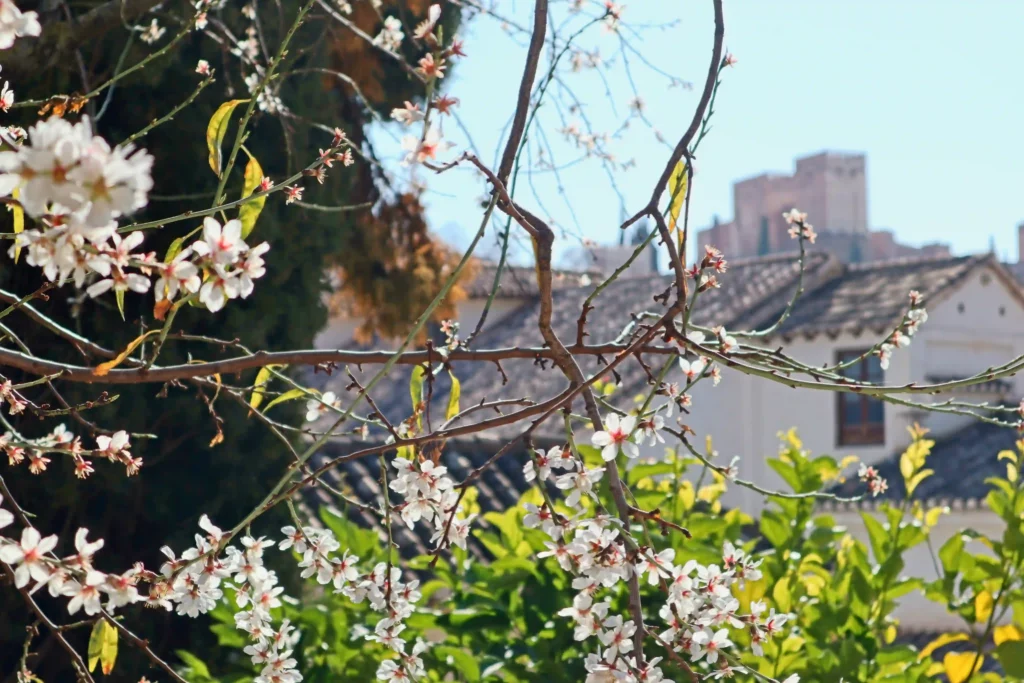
(962, 461)
(521, 281)
(873, 296)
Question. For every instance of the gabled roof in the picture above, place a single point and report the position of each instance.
(962, 461)
(872, 297)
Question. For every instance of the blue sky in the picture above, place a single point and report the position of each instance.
(930, 90)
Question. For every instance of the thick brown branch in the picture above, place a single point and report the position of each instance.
(540, 25)
(78, 373)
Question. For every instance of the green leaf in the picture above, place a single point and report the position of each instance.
(216, 130)
(877, 535)
(290, 395)
(1010, 654)
(453, 398)
(262, 379)
(174, 249)
(250, 211)
(950, 553)
(119, 295)
(773, 528)
(464, 662)
(782, 596)
(191, 661)
(102, 646)
(508, 523)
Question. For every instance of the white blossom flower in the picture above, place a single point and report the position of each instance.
(692, 369)
(6, 518)
(390, 37)
(706, 645)
(85, 595)
(29, 555)
(153, 32)
(15, 24)
(616, 436)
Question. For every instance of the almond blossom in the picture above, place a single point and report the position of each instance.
(15, 24)
(29, 555)
(617, 435)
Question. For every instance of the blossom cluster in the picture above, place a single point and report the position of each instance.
(699, 612)
(799, 228)
(76, 186)
(429, 496)
(900, 338)
(383, 589)
(431, 67)
(116, 448)
(877, 484)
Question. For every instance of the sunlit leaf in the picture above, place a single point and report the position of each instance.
(102, 646)
(453, 398)
(960, 666)
(1001, 634)
(983, 605)
(262, 379)
(105, 368)
(290, 395)
(250, 211)
(216, 130)
(18, 216)
(677, 187)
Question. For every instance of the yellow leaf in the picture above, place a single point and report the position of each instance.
(216, 130)
(687, 494)
(250, 211)
(677, 184)
(19, 220)
(942, 640)
(931, 518)
(262, 379)
(102, 646)
(1011, 473)
(890, 634)
(286, 396)
(1008, 455)
(1001, 634)
(105, 368)
(917, 479)
(453, 399)
(983, 605)
(960, 666)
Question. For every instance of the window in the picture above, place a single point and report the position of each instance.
(861, 419)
